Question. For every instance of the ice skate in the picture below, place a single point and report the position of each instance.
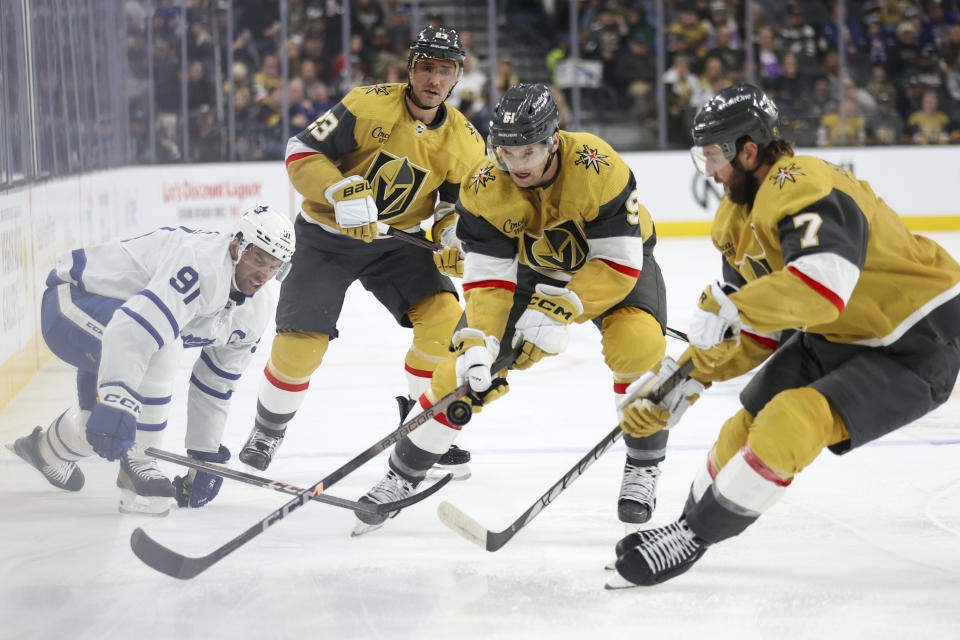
(65, 475)
(638, 493)
(391, 488)
(664, 553)
(260, 448)
(455, 461)
(143, 487)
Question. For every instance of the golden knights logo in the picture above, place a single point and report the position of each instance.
(790, 172)
(591, 158)
(562, 248)
(482, 177)
(754, 263)
(377, 89)
(395, 183)
(472, 130)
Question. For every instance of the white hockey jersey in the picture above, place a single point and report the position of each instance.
(175, 284)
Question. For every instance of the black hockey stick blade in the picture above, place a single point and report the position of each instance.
(158, 557)
(283, 487)
(462, 524)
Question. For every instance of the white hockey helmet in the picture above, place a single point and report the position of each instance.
(269, 230)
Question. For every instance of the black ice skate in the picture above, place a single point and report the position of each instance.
(65, 475)
(260, 447)
(143, 487)
(663, 553)
(638, 493)
(391, 488)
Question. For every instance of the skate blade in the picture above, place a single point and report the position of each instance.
(458, 471)
(362, 528)
(132, 504)
(611, 566)
(618, 582)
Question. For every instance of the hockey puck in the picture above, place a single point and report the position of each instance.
(459, 413)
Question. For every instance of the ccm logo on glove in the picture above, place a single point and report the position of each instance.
(125, 402)
(552, 307)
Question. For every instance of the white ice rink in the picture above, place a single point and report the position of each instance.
(863, 546)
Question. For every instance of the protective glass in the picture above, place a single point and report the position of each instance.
(712, 157)
(521, 158)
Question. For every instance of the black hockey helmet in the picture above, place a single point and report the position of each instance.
(437, 43)
(737, 111)
(527, 113)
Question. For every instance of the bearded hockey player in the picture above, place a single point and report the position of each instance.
(389, 154)
(122, 312)
(875, 314)
(554, 235)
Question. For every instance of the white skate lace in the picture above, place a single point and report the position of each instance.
(59, 473)
(639, 483)
(390, 489)
(145, 468)
(668, 546)
(264, 442)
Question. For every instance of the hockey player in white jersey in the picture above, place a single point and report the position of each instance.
(121, 312)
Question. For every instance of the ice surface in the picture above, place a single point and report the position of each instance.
(864, 546)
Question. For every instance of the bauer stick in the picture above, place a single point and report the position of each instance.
(283, 487)
(467, 527)
(177, 565)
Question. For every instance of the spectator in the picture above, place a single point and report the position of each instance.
(800, 38)
(879, 40)
(687, 35)
(911, 98)
(852, 37)
(682, 89)
(559, 52)
(953, 85)
(200, 90)
(206, 139)
(929, 125)
(879, 84)
(844, 129)
(366, 16)
(927, 69)
(506, 77)
(634, 76)
(937, 23)
(314, 49)
(767, 59)
(712, 80)
(902, 56)
(790, 90)
(718, 17)
(885, 127)
(268, 77)
(723, 48)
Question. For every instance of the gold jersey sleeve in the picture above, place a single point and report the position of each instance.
(820, 252)
(372, 133)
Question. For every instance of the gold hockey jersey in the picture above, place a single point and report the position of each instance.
(820, 252)
(586, 228)
(372, 133)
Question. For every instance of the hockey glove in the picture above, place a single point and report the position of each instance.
(449, 259)
(716, 319)
(353, 207)
(197, 488)
(470, 363)
(112, 425)
(640, 417)
(542, 329)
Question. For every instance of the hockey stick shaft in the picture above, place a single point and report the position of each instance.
(472, 530)
(411, 238)
(283, 487)
(177, 565)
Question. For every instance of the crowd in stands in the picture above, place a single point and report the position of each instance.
(901, 86)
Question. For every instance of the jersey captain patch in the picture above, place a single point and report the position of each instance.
(482, 177)
(563, 247)
(396, 183)
(591, 158)
(783, 174)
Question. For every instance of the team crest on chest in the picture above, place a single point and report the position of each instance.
(378, 89)
(563, 248)
(591, 158)
(788, 173)
(395, 182)
(482, 177)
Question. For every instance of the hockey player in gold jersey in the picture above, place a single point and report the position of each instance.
(389, 154)
(873, 314)
(554, 234)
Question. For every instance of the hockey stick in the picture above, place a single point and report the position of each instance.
(282, 487)
(412, 238)
(177, 565)
(467, 527)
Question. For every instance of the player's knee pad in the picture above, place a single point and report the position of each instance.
(792, 429)
(633, 344)
(733, 435)
(295, 355)
(434, 319)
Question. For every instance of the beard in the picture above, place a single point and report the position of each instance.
(742, 187)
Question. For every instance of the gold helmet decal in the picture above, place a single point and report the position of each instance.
(563, 247)
(395, 182)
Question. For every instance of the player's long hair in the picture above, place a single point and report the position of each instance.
(777, 148)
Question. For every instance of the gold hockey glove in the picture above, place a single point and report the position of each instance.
(641, 417)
